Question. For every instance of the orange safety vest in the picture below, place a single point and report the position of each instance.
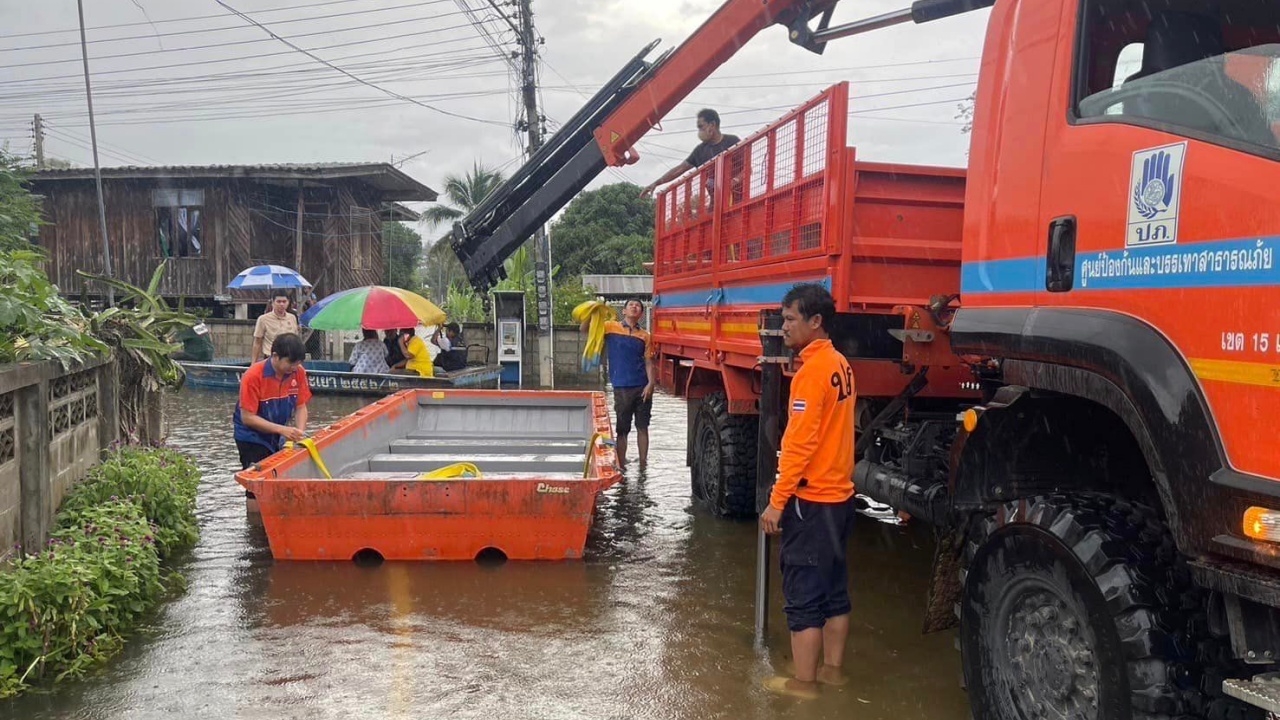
(817, 447)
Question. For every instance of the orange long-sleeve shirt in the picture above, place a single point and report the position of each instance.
(817, 448)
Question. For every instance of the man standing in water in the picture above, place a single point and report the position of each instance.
(271, 324)
(812, 498)
(630, 352)
(273, 393)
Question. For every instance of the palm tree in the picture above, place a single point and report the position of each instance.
(440, 267)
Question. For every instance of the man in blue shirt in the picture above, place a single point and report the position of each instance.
(630, 354)
(273, 402)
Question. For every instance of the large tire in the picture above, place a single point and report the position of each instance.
(1078, 607)
(724, 459)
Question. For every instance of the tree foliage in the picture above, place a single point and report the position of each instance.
(404, 254)
(605, 231)
(440, 267)
(19, 209)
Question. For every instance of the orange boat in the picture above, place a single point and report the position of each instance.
(395, 490)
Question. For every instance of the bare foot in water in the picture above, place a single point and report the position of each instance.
(792, 687)
(830, 675)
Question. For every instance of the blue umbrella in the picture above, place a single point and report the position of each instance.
(268, 277)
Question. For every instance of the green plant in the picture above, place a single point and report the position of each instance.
(36, 323)
(463, 304)
(19, 209)
(67, 608)
(138, 329)
(162, 483)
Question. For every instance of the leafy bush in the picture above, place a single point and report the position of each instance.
(68, 607)
(162, 483)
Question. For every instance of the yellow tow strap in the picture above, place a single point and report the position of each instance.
(597, 313)
(451, 472)
(314, 452)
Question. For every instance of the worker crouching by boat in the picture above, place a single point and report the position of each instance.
(273, 394)
(811, 503)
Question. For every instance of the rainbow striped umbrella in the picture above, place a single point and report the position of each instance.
(373, 307)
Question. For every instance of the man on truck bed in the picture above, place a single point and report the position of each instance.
(812, 498)
(714, 142)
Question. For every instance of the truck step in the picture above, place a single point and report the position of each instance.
(1263, 691)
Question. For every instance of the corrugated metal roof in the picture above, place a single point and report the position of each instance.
(620, 285)
(394, 184)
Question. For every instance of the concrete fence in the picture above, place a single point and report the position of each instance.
(54, 424)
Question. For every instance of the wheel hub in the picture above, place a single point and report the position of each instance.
(1049, 660)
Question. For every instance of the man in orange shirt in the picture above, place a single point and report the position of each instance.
(812, 498)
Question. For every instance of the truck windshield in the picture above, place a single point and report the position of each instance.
(1233, 96)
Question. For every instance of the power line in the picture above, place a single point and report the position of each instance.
(203, 63)
(206, 30)
(235, 43)
(174, 20)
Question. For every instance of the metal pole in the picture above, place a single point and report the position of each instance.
(97, 168)
(541, 245)
(769, 438)
(857, 27)
(39, 135)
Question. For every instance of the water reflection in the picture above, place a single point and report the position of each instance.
(655, 623)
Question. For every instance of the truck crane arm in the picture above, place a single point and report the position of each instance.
(604, 132)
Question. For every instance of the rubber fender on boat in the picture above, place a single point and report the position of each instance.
(450, 472)
(314, 452)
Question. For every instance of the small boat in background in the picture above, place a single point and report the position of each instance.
(442, 475)
(331, 377)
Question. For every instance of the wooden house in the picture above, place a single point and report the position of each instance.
(211, 222)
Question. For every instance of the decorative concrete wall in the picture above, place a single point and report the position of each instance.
(54, 424)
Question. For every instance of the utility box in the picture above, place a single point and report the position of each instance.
(508, 320)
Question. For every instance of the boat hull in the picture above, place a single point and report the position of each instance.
(544, 456)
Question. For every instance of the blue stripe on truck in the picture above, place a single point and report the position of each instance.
(757, 294)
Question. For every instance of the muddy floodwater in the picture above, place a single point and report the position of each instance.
(656, 622)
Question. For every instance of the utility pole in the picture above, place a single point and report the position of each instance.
(38, 126)
(97, 168)
(541, 245)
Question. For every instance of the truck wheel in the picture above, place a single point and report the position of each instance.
(1079, 608)
(724, 459)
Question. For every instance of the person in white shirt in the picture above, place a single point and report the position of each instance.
(369, 355)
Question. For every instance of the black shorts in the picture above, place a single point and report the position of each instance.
(815, 570)
(251, 452)
(629, 403)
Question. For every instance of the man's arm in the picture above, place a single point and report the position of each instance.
(672, 174)
(261, 424)
(256, 353)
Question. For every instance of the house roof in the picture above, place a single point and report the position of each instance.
(394, 184)
(620, 285)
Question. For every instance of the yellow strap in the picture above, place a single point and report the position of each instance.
(597, 313)
(314, 452)
(450, 472)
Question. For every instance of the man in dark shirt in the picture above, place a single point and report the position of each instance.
(714, 142)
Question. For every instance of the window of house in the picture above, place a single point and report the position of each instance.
(1206, 70)
(179, 231)
(361, 238)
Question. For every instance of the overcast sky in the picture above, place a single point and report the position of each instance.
(185, 82)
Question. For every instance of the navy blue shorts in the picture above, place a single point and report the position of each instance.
(815, 570)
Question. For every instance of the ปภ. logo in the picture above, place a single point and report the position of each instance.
(1151, 196)
(1155, 196)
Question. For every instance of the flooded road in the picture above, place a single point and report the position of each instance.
(656, 622)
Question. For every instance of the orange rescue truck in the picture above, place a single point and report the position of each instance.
(1067, 358)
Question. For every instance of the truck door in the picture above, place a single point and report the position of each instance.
(1160, 175)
